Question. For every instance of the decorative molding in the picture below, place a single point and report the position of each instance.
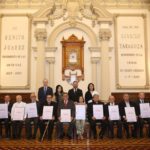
(40, 34)
(103, 3)
(50, 60)
(95, 60)
(65, 26)
(51, 49)
(73, 11)
(94, 49)
(104, 34)
(47, 49)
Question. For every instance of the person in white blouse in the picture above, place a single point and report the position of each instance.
(17, 123)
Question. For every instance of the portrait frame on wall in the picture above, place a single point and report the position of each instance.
(24, 83)
(73, 56)
(127, 80)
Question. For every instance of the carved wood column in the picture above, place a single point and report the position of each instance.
(41, 35)
(105, 35)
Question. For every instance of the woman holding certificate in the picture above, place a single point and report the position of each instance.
(80, 117)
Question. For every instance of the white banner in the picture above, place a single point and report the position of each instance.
(80, 112)
(31, 110)
(131, 52)
(114, 112)
(48, 112)
(3, 111)
(145, 110)
(65, 115)
(98, 111)
(14, 55)
(18, 114)
(130, 114)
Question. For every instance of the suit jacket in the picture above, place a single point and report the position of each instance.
(46, 104)
(70, 105)
(90, 109)
(138, 102)
(42, 95)
(122, 106)
(74, 96)
(107, 110)
(88, 96)
(10, 107)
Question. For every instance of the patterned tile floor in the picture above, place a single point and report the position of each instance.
(105, 144)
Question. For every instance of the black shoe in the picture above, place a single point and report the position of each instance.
(49, 138)
(111, 137)
(61, 137)
(101, 136)
(69, 137)
(119, 137)
(95, 137)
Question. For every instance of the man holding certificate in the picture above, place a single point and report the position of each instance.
(18, 115)
(32, 116)
(47, 113)
(5, 116)
(113, 116)
(143, 113)
(124, 105)
(96, 114)
(66, 114)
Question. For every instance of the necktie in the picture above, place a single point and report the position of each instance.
(45, 89)
(65, 103)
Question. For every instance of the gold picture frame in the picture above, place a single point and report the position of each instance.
(73, 54)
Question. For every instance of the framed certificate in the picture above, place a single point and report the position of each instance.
(114, 112)
(65, 115)
(80, 112)
(3, 111)
(47, 112)
(18, 114)
(145, 110)
(98, 111)
(130, 114)
(31, 110)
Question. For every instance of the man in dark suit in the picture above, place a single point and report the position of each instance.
(7, 100)
(75, 92)
(127, 103)
(34, 120)
(110, 122)
(141, 100)
(66, 104)
(93, 120)
(44, 91)
(49, 102)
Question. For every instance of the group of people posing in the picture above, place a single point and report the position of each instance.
(68, 100)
